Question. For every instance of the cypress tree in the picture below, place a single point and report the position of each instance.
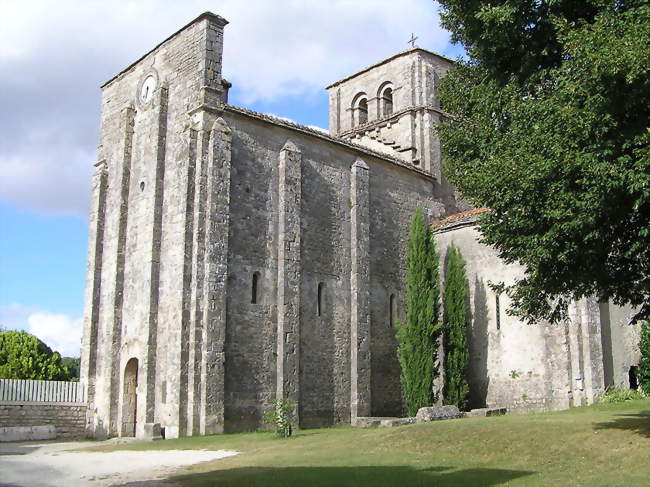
(417, 338)
(644, 363)
(455, 330)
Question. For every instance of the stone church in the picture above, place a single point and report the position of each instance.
(235, 257)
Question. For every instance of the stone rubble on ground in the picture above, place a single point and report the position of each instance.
(424, 415)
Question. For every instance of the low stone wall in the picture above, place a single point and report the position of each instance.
(69, 419)
(27, 433)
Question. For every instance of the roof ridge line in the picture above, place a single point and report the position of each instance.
(390, 58)
(327, 136)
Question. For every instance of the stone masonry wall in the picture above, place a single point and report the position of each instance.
(139, 234)
(515, 365)
(69, 419)
(620, 343)
(393, 201)
(510, 362)
(270, 214)
(293, 207)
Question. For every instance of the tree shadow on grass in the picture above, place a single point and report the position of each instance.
(347, 476)
(638, 423)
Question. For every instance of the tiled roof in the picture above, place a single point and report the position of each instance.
(458, 219)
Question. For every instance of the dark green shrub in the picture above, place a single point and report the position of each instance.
(644, 363)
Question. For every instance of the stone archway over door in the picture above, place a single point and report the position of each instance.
(130, 398)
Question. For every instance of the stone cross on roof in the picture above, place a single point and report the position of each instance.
(412, 40)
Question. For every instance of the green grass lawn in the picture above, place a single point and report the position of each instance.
(598, 445)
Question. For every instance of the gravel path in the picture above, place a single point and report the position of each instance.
(52, 465)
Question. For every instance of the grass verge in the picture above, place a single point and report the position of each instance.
(605, 444)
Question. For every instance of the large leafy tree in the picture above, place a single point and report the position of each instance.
(73, 364)
(23, 356)
(550, 131)
(417, 349)
(455, 324)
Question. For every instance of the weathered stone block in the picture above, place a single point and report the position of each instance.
(378, 422)
(482, 412)
(436, 413)
(152, 432)
(366, 422)
(387, 423)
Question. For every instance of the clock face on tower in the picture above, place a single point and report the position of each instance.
(147, 88)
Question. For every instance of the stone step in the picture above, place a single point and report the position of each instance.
(425, 415)
(27, 433)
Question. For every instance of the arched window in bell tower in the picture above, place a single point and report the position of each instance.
(359, 109)
(363, 111)
(388, 101)
(385, 100)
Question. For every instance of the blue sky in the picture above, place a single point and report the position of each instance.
(279, 55)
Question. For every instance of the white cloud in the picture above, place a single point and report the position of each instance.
(60, 332)
(14, 316)
(55, 55)
(271, 51)
(54, 181)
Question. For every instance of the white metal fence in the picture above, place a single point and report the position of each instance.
(12, 390)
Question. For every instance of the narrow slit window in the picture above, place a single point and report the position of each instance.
(319, 299)
(254, 287)
(391, 310)
(498, 312)
(633, 377)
